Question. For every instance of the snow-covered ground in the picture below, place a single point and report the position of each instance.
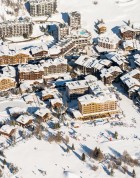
(112, 13)
(35, 155)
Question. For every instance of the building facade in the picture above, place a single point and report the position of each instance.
(42, 7)
(14, 60)
(30, 72)
(16, 28)
(52, 66)
(75, 20)
(7, 83)
(94, 106)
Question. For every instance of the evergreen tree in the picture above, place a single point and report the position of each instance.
(133, 173)
(97, 154)
(73, 148)
(4, 162)
(68, 150)
(112, 172)
(128, 22)
(116, 135)
(83, 157)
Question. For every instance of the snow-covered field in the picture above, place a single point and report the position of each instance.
(34, 155)
(113, 13)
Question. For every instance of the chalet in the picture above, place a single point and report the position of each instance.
(7, 130)
(24, 120)
(118, 60)
(56, 103)
(131, 82)
(17, 111)
(101, 27)
(43, 114)
(109, 75)
(30, 72)
(49, 94)
(127, 33)
(129, 45)
(40, 52)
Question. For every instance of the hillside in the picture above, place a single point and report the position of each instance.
(10, 9)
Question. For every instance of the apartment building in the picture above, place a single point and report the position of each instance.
(52, 66)
(16, 28)
(94, 106)
(78, 88)
(42, 7)
(6, 83)
(14, 60)
(99, 102)
(75, 20)
(30, 72)
(110, 74)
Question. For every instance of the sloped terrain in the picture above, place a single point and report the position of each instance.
(11, 9)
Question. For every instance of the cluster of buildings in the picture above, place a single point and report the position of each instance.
(127, 39)
(94, 98)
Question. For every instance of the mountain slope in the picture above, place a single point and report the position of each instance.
(11, 9)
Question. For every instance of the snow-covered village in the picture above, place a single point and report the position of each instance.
(69, 88)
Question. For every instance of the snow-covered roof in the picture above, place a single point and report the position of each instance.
(40, 1)
(90, 78)
(129, 43)
(53, 62)
(125, 28)
(136, 26)
(30, 68)
(109, 72)
(24, 119)
(100, 98)
(53, 92)
(137, 59)
(7, 129)
(85, 61)
(9, 71)
(56, 100)
(129, 78)
(17, 110)
(110, 39)
(42, 112)
(116, 57)
(37, 49)
(100, 25)
(79, 84)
